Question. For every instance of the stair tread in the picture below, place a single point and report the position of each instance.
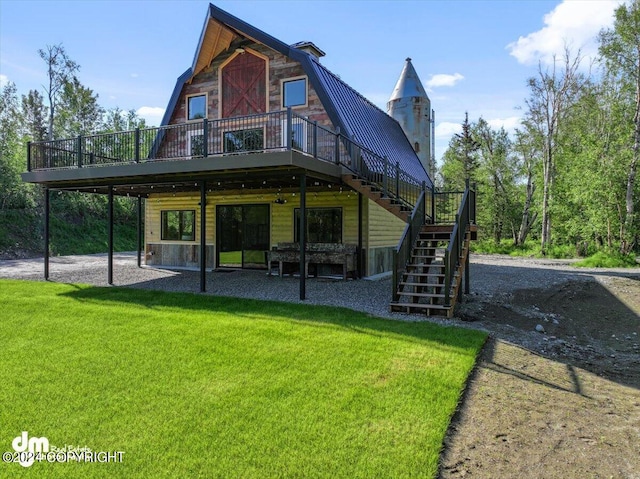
(421, 295)
(430, 265)
(424, 274)
(420, 305)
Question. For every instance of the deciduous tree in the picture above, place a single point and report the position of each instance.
(552, 94)
(620, 50)
(60, 70)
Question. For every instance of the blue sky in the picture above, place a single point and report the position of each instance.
(471, 55)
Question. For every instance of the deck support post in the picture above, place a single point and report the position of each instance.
(303, 236)
(46, 233)
(110, 240)
(139, 231)
(359, 255)
(203, 236)
(467, 287)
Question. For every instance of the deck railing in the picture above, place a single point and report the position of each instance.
(465, 217)
(281, 130)
(436, 207)
(402, 254)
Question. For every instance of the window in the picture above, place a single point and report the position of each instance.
(243, 140)
(324, 225)
(298, 134)
(195, 145)
(294, 92)
(196, 107)
(179, 225)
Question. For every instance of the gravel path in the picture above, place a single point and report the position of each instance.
(368, 296)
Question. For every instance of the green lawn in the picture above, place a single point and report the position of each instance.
(197, 386)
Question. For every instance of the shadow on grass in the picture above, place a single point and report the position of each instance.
(250, 309)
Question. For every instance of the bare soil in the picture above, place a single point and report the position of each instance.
(562, 403)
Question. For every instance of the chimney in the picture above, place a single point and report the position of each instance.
(310, 48)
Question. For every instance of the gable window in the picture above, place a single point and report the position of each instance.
(196, 107)
(294, 92)
(178, 225)
(324, 225)
(243, 140)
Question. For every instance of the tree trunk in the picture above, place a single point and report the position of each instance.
(629, 236)
(527, 223)
(546, 196)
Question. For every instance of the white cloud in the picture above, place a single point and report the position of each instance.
(134, 75)
(444, 79)
(4, 79)
(574, 23)
(446, 129)
(151, 114)
(509, 123)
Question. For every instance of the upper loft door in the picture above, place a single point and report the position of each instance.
(244, 86)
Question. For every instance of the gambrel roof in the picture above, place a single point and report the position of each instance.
(357, 118)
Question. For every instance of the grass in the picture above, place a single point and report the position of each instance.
(78, 226)
(604, 258)
(197, 386)
(20, 230)
(608, 259)
(529, 249)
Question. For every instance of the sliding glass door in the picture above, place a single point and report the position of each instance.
(242, 233)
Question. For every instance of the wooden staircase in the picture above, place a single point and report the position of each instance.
(429, 251)
(421, 288)
(375, 193)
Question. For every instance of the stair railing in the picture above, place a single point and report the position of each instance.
(402, 253)
(465, 216)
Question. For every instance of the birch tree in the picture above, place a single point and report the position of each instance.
(620, 50)
(552, 92)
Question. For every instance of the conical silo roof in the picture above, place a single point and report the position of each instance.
(409, 84)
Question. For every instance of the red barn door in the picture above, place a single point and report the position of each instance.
(244, 86)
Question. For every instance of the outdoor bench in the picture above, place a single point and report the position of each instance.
(316, 253)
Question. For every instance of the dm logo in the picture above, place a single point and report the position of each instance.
(28, 447)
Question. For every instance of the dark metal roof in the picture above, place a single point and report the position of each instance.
(173, 101)
(368, 125)
(358, 118)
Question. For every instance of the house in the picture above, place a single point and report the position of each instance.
(261, 145)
